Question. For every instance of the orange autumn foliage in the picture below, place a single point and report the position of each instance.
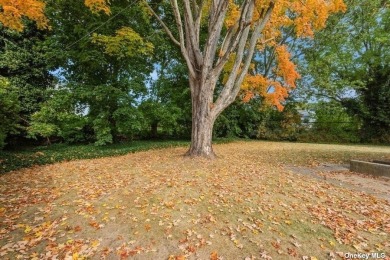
(12, 12)
(232, 15)
(274, 91)
(97, 6)
(305, 17)
(286, 68)
(308, 16)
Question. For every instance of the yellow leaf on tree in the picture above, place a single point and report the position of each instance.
(97, 6)
(125, 43)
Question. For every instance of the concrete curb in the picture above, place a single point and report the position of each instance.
(372, 168)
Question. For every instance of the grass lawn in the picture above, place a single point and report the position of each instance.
(41, 155)
(14, 160)
(160, 205)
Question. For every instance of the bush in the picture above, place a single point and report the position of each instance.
(9, 111)
(280, 125)
(332, 125)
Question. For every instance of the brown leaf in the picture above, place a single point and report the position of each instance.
(148, 227)
(135, 251)
(275, 244)
(213, 256)
(183, 240)
(77, 229)
(94, 224)
(292, 252)
(191, 249)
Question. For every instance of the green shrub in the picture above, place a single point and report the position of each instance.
(9, 111)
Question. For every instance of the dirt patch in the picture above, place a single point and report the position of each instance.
(339, 175)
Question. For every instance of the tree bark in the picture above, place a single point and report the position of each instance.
(202, 120)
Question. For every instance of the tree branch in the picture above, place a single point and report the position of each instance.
(215, 28)
(255, 36)
(163, 24)
(233, 85)
(226, 97)
(199, 18)
(184, 50)
(228, 44)
(191, 33)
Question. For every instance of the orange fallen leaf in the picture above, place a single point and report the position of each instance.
(94, 224)
(77, 229)
(148, 227)
(213, 256)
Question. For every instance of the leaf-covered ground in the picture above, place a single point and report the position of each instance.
(160, 205)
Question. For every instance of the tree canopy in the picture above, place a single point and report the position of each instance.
(102, 72)
(349, 63)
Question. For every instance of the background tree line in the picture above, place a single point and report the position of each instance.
(92, 79)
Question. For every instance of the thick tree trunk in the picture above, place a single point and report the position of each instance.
(201, 136)
(202, 120)
(153, 130)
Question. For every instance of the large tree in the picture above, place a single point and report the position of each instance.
(234, 30)
(103, 72)
(24, 63)
(218, 39)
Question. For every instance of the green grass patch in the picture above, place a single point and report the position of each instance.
(41, 155)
